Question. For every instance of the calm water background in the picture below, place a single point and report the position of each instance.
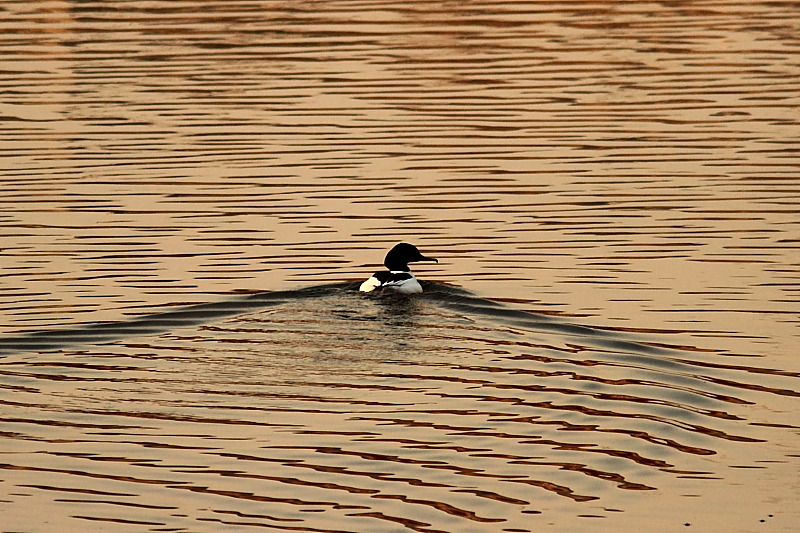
(614, 188)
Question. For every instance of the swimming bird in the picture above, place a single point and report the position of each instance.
(399, 277)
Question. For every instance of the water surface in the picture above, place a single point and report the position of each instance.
(190, 191)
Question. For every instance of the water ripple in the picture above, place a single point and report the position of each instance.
(616, 183)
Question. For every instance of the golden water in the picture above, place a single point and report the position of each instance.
(609, 340)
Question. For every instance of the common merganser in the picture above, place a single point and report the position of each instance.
(399, 277)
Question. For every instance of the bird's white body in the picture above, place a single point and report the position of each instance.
(407, 285)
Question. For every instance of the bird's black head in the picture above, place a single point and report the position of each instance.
(402, 254)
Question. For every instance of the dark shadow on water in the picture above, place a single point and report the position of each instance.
(397, 306)
(158, 323)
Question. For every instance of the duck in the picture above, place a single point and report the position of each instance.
(398, 277)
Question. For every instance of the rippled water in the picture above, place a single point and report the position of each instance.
(191, 190)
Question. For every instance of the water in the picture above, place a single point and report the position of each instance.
(191, 192)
